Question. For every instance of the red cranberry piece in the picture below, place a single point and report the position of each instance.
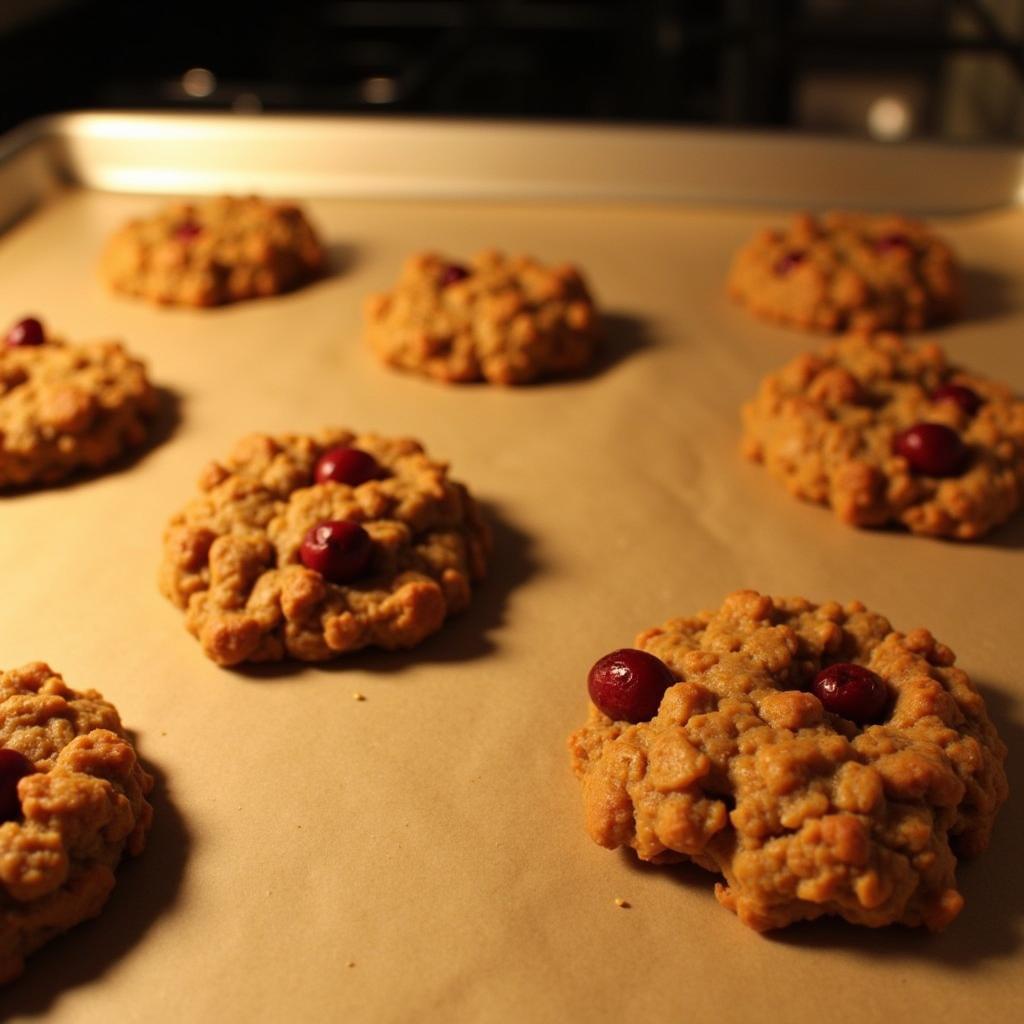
(968, 400)
(628, 685)
(787, 261)
(346, 465)
(337, 549)
(13, 766)
(852, 691)
(453, 273)
(26, 332)
(188, 230)
(887, 243)
(932, 448)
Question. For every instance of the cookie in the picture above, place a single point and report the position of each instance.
(506, 321)
(72, 801)
(213, 251)
(313, 546)
(65, 407)
(885, 431)
(820, 761)
(848, 270)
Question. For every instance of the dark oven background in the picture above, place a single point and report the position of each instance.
(885, 68)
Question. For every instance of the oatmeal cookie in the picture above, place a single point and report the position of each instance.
(848, 270)
(820, 761)
(506, 321)
(885, 431)
(213, 251)
(310, 547)
(72, 800)
(65, 407)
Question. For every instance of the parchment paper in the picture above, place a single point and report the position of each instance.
(420, 855)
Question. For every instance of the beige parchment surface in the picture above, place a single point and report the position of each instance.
(420, 855)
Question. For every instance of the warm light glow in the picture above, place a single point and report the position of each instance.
(198, 82)
(890, 118)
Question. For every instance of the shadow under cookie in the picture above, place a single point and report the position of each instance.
(147, 887)
(1009, 535)
(625, 335)
(340, 258)
(163, 424)
(988, 294)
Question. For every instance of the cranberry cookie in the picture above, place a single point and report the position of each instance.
(310, 547)
(819, 760)
(506, 321)
(72, 800)
(889, 432)
(214, 251)
(65, 407)
(848, 270)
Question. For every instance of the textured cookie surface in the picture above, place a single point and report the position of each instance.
(232, 555)
(65, 407)
(846, 270)
(81, 808)
(804, 813)
(826, 425)
(213, 251)
(506, 321)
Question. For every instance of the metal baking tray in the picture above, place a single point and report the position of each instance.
(404, 158)
(430, 836)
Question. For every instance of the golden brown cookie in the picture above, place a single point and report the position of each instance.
(213, 251)
(65, 407)
(72, 801)
(312, 546)
(820, 761)
(848, 270)
(885, 431)
(506, 321)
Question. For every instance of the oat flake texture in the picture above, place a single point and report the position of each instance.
(825, 424)
(511, 320)
(66, 407)
(82, 808)
(231, 555)
(848, 270)
(804, 813)
(213, 251)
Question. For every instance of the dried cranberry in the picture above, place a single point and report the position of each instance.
(968, 400)
(13, 766)
(932, 449)
(337, 549)
(188, 230)
(628, 685)
(346, 465)
(787, 261)
(26, 332)
(851, 691)
(895, 240)
(453, 273)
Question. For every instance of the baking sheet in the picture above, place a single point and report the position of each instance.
(394, 157)
(420, 855)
